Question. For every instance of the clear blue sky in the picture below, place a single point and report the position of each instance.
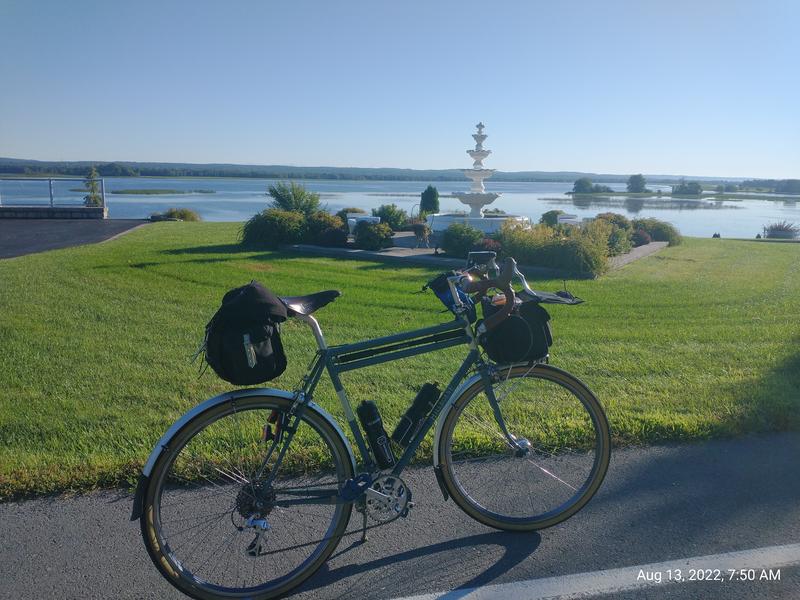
(700, 87)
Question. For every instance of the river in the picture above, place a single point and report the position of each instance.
(238, 199)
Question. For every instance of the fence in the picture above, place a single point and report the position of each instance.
(31, 192)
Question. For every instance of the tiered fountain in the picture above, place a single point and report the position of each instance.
(477, 197)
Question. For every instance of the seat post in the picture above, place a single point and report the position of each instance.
(312, 322)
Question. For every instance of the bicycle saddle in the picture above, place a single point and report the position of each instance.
(305, 305)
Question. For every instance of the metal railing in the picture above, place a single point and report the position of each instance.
(50, 180)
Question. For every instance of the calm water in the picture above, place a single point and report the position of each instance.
(238, 199)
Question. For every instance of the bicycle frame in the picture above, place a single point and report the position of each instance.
(349, 357)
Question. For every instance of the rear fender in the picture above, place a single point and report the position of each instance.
(163, 443)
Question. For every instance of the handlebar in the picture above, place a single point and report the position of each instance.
(481, 286)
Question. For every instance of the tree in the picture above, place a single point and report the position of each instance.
(429, 201)
(692, 188)
(92, 185)
(293, 197)
(394, 217)
(637, 184)
(551, 217)
(582, 186)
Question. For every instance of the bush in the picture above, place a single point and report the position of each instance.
(659, 231)
(372, 236)
(336, 238)
(182, 214)
(396, 218)
(318, 222)
(782, 231)
(293, 197)
(488, 245)
(617, 219)
(619, 241)
(640, 238)
(459, 239)
(342, 214)
(584, 250)
(551, 217)
(272, 227)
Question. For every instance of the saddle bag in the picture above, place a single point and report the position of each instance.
(243, 342)
(525, 336)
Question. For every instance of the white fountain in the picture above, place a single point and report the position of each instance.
(477, 197)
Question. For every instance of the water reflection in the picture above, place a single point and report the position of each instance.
(635, 205)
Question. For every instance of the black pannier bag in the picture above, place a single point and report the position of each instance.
(525, 336)
(243, 341)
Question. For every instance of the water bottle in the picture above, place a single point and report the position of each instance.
(411, 421)
(376, 435)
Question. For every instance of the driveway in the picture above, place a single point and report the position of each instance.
(27, 236)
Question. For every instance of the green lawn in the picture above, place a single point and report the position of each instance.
(696, 341)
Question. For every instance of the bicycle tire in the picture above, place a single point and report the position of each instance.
(463, 433)
(166, 476)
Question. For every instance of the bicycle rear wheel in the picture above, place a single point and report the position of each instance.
(565, 436)
(213, 524)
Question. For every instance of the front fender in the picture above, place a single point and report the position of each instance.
(466, 384)
(163, 443)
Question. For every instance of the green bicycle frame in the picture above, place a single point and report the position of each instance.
(349, 357)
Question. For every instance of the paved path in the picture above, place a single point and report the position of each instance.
(26, 236)
(636, 253)
(658, 505)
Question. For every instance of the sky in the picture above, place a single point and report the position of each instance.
(672, 87)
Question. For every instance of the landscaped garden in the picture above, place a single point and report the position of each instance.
(697, 341)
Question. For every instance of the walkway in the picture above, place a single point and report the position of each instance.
(27, 236)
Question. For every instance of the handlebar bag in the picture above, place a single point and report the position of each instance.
(441, 288)
(243, 342)
(525, 336)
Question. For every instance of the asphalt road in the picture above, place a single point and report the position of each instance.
(657, 504)
(26, 236)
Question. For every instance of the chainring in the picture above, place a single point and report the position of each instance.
(397, 503)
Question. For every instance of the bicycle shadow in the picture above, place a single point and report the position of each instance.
(514, 548)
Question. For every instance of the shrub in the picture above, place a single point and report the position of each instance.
(551, 217)
(396, 218)
(782, 231)
(272, 227)
(617, 219)
(372, 236)
(182, 214)
(318, 222)
(640, 238)
(619, 241)
(584, 250)
(659, 231)
(293, 197)
(488, 244)
(342, 214)
(459, 238)
(333, 237)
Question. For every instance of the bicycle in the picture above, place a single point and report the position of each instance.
(229, 507)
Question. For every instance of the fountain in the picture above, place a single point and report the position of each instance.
(477, 197)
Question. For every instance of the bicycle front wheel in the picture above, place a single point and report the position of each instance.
(558, 463)
(214, 522)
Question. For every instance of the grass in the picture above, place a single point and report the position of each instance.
(697, 341)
